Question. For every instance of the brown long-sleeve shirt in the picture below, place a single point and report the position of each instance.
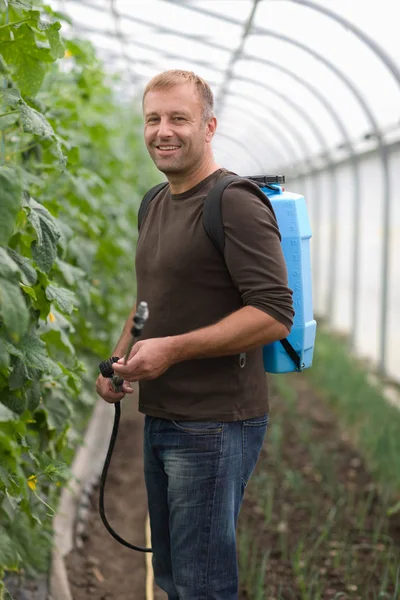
(188, 285)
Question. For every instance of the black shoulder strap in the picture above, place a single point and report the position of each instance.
(213, 225)
(147, 198)
(212, 212)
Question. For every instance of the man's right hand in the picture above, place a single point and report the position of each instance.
(105, 390)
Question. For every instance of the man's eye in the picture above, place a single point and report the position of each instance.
(152, 120)
(179, 118)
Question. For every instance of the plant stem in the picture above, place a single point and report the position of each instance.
(14, 23)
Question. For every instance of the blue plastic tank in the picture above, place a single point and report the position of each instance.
(294, 225)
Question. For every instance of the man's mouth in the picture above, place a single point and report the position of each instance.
(167, 148)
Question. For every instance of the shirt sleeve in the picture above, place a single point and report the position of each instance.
(253, 251)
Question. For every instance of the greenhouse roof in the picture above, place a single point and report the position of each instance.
(297, 83)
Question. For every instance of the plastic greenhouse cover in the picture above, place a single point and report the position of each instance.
(287, 77)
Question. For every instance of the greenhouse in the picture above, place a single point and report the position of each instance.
(306, 99)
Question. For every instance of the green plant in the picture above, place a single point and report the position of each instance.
(72, 170)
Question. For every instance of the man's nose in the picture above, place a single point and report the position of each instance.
(164, 128)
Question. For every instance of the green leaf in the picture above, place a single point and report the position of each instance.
(5, 478)
(19, 376)
(15, 402)
(10, 97)
(64, 298)
(20, 6)
(10, 202)
(26, 59)
(7, 121)
(13, 350)
(58, 338)
(52, 32)
(34, 122)
(44, 250)
(393, 509)
(33, 394)
(36, 355)
(29, 275)
(4, 357)
(31, 543)
(13, 308)
(8, 267)
(58, 14)
(70, 273)
(28, 290)
(8, 552)
(6, 414)
(58, 412)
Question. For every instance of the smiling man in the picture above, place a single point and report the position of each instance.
(199, 364)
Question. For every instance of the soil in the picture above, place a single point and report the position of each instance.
(102, 569)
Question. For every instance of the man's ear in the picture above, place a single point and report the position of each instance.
(211, 129)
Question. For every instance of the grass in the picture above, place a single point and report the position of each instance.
(314, 534)
(373, 423)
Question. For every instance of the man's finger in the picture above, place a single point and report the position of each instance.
(124, 369)
(127, 388)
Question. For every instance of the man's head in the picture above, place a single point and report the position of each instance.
(179, 121)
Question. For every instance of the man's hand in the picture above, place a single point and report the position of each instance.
(106, 391)
(148, 359)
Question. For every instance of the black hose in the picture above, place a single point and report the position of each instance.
(103, 479)
(107, 371)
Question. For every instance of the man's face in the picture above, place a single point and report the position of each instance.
(175, 133)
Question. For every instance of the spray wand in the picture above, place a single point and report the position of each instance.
(107, 371)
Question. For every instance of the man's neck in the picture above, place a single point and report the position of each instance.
(179, 184)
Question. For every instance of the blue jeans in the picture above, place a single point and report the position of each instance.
(196, 473)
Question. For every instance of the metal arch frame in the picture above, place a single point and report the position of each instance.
(116, 17)
(235, 55)
(287, 142)
(370, 42)
(279, 117)
(258, 143)
(242, 146)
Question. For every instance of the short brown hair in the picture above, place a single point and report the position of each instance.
(168, 79)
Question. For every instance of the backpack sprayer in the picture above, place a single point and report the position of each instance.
(107, 371)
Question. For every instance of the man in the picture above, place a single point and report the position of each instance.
(199, 364)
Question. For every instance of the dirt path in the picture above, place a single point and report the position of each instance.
(103, 569)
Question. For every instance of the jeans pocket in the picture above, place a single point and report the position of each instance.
(199, 427)
(253, 434)
(256, 421)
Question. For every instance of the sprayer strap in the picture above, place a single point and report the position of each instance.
(292, 353)
(147, 198)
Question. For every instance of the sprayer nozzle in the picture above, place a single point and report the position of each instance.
(140, 319)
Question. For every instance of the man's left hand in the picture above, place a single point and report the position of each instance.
(148, 359)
